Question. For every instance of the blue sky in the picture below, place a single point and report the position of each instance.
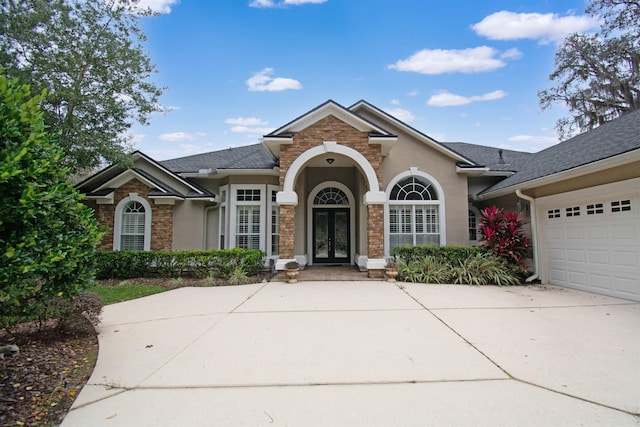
(457, 70)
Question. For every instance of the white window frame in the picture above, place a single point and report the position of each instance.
(271, 204)
(223, 218)
(477, 214)
(117, 221)
(233, 211)
(440, 204)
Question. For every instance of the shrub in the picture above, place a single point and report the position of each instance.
(502, 233)
(428, 270)
(484, 269)
(454, 264)
(238, 276)
(47, 237)
(199, 264)
(449, 254)
(77, 315)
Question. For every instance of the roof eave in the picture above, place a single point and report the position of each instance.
(594, 167)
(272, 143)
(221, 173)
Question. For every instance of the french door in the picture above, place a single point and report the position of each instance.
(331, 236)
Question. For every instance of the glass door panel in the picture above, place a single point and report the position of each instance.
(331, 236)
(321, 235)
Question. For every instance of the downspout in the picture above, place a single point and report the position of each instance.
(534, 233)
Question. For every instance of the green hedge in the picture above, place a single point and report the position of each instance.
(215, 263)
(448, 254)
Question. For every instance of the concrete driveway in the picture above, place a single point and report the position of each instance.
(365, 353)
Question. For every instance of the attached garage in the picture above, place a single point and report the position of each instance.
(590, 239)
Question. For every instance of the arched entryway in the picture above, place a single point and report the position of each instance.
(331, 224)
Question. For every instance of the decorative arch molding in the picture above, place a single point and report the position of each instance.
(414, 171)
(117, 221)
(289, 197)
(352, 218)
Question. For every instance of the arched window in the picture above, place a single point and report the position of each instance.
(331, 196)
(414, 213)
(132, 230)
(132, 224)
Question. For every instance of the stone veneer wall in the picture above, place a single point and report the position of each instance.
(331, 129)
(161, 217)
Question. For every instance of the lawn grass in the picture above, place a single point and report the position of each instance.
(113, 294)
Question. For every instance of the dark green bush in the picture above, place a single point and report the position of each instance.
(47, 237)
(199, 264)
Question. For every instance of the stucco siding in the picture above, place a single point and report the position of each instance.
(408, 152)
(188, 223)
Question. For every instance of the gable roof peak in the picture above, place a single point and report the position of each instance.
(327, 108)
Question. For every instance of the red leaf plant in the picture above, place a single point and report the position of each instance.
(502, 233)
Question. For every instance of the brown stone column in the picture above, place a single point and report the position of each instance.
(375, 231)
(287, 231)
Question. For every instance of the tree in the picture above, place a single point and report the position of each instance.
(597, 76)
(89, 55)
(48, 238)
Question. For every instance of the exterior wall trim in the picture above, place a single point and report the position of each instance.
(289, 197)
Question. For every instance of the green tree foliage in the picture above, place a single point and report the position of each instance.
(89, 55)
(597, 76)
(47, 237)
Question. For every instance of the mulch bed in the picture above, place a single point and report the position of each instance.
(38, 386)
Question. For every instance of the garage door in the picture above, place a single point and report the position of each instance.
(592, 242)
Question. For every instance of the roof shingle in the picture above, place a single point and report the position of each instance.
(247, 157)
(610, 139)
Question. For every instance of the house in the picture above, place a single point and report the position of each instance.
(341, 185)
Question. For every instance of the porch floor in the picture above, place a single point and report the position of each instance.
(328, 273)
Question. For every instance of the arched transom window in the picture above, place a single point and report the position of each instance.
(414, 213)
(133, 227)
(331, 196)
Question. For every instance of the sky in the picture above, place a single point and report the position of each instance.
(456, 70)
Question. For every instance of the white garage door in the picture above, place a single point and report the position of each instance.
(591, 241)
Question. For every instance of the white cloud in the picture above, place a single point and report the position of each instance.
(158, 6)
(181, 136)
(283, 3)
(395, 102)
(413, 93)
(249, 125)
(505, 25)
(401, 114)
(263, 82)
(246, 121)
(447, 99)
(254, 130)
(439, 61)
(512, 53)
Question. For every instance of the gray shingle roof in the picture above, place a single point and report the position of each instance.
(610, 139)
(482, 155)
(247, 157)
